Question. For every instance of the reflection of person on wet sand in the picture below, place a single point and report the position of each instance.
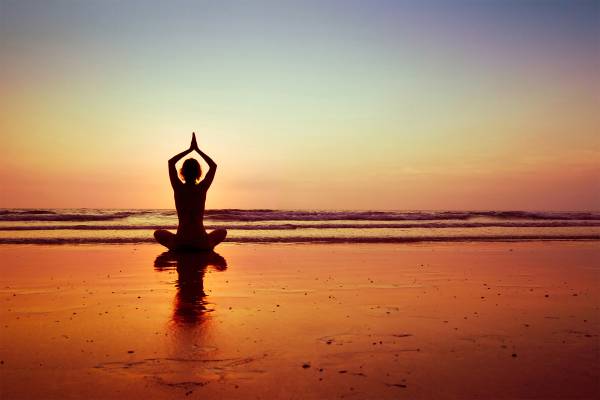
(190, 198)
(190, 305)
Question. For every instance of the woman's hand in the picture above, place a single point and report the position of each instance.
(194, 144)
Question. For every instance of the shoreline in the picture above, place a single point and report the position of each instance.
(314, 240)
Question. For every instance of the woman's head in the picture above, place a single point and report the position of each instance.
(190, 170)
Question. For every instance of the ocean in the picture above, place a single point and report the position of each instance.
(105, 226)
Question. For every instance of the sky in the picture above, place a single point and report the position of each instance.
(380, 105)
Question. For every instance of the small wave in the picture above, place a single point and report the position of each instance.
(575, 215)
(300, 239)
(259, 215)
(86, 227)
(28, 216)
(26, 212)
(273, 215)
(425, 225)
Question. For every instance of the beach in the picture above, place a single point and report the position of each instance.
(403, 199)
(301, 321)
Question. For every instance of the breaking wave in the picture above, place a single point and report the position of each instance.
(103, 226)
(283, 215)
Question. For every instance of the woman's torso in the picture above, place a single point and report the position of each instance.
(189, 202)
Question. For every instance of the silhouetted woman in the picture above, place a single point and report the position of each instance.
(190, 197)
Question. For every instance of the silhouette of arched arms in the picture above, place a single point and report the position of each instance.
(212, 166)
(175, 181)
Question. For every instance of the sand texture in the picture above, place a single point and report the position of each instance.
(428, 321)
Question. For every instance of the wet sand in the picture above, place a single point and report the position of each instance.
(431, 321)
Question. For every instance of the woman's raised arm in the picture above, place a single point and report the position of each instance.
(172, 170)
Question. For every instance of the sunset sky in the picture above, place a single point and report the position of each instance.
(303, 104)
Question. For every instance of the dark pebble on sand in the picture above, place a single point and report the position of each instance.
(342, 371)
(514, 354)
(306, 365)
(130, 351)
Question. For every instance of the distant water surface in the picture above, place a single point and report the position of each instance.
(64, 226)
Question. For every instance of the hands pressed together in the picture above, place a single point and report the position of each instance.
(193, 147)
(194, 144)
